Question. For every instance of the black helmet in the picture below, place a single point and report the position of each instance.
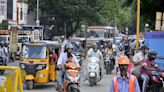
(152, 55)
(95, 46)
(144, 46)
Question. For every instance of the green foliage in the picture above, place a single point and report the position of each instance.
(77, 12)
(1, 26)
(148, 10)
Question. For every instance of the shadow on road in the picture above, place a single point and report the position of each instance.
(42, 86)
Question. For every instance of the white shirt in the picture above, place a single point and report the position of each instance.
(138, 57)
(97, 54)
(2, 51)
(63, 58)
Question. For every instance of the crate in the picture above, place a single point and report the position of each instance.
(158, 25)
(158, 15)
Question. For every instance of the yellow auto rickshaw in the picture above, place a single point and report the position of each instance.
(35, 65)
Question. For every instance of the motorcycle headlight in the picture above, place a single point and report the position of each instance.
(73, 80)
(41, 66)
(22, 66)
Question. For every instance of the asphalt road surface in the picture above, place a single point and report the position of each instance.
(102, 86)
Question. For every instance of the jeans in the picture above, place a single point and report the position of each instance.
(145, 79)
(60, 77)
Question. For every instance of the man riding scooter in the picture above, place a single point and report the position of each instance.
(78, 47)
(147, 68)
(95, 52)
(62, 61)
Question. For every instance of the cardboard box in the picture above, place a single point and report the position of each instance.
(158, 15)
(158, 25)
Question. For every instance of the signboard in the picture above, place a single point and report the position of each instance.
(3, 10)
(13, 41)
(36, 35)
(6, 32)
(155, 41)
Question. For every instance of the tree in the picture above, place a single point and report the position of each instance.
(75, 12)
(148, 10)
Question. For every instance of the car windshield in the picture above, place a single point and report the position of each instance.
(3, 39)
(94, 34)
(34, 52)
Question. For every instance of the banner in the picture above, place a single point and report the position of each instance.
(3, 10)
(155, 41)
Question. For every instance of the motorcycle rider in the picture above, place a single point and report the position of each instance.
(137, 60)
(124, 81)
(109, 51)
(61, 62)
(148, 65)
(126, 46)
(95, 52)
(78, 47)
(2, 53)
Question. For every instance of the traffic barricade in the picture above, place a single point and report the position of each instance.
(11, 80)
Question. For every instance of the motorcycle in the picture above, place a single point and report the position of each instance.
(109, 64)
(93, 70)
(71, 78)
(78, 56)
(156, 82)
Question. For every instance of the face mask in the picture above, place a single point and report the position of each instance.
(123, 70)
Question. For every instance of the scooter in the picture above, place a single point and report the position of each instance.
(71, 78)
(109, 64)
(93, 70)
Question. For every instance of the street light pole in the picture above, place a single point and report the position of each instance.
(138, 24)
(37, 14)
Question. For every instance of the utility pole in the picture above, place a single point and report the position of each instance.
(138, 25)
(37, 14)
(114, 29)
(65, 30)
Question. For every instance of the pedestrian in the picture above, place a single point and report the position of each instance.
(124, 81)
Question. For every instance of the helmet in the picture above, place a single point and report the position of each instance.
(110, 45)
(123, 60)
(69, 46)
(78, 43)
(95, 47)
(144, 46)
(152, 54)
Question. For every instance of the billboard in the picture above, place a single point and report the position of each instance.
(3, 10)
(155, 41)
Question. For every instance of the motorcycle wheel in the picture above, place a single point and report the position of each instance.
(30, 84)
(92, 82)
(154, 88)
(74, 90)
(108, 69)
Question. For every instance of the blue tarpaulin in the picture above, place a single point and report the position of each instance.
(155, 41)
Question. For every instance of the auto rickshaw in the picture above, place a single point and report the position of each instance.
(35, 65)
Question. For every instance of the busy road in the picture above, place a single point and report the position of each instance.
(102, 86)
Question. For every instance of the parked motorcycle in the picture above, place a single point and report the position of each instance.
(109, 64)
(72, 78)
(93, 70)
